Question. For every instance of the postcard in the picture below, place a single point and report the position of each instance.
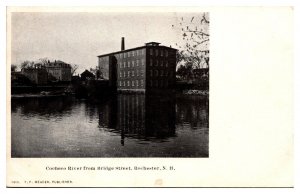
(149, 97)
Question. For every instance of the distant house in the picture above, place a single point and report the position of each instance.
(37, 75)
(18, 79)
(87, 75)
(75, 78)
(60, 70)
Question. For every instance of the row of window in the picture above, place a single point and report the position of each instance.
(153, 73)
(161, 73)
(132, 63)
(130, 54)
(158, 52)
(131, 73)
(158, 83)
(133, 83)
(161, 63)
(125, 54)
(137, 83)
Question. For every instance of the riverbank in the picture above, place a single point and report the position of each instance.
(196, 92)
(36, 95)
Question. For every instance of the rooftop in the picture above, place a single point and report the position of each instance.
(146, 45)
(57, 63)
(152, 44)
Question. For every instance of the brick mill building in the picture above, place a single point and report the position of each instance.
(146, 68)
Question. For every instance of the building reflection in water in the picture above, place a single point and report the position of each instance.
(143, 117)
(118, 126)
(192, 110)
(43, 107)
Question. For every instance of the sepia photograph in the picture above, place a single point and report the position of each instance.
(114, 84)
(149, 96)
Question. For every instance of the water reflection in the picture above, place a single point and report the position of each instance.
(193, 111)
(43, 107)
(120, 126)
(145, 117)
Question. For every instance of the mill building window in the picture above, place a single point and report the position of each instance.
(161, 73)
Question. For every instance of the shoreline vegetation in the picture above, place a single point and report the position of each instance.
(196, 92)
(92, 89)
(48, 95)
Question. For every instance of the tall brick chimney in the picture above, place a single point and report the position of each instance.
(123, 44)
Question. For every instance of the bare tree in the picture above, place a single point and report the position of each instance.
(74, 68)
(44, 61)
(193, 48)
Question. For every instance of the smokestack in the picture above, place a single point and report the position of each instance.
(123, 44)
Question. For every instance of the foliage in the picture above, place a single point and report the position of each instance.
(184, 71)
(20, 80)
(13, 68)
(27, 64)
(96, 71)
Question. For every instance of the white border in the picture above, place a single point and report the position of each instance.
(153, 2)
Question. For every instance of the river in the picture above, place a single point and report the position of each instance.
(120, 126)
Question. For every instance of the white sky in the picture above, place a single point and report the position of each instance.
(78, 38)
